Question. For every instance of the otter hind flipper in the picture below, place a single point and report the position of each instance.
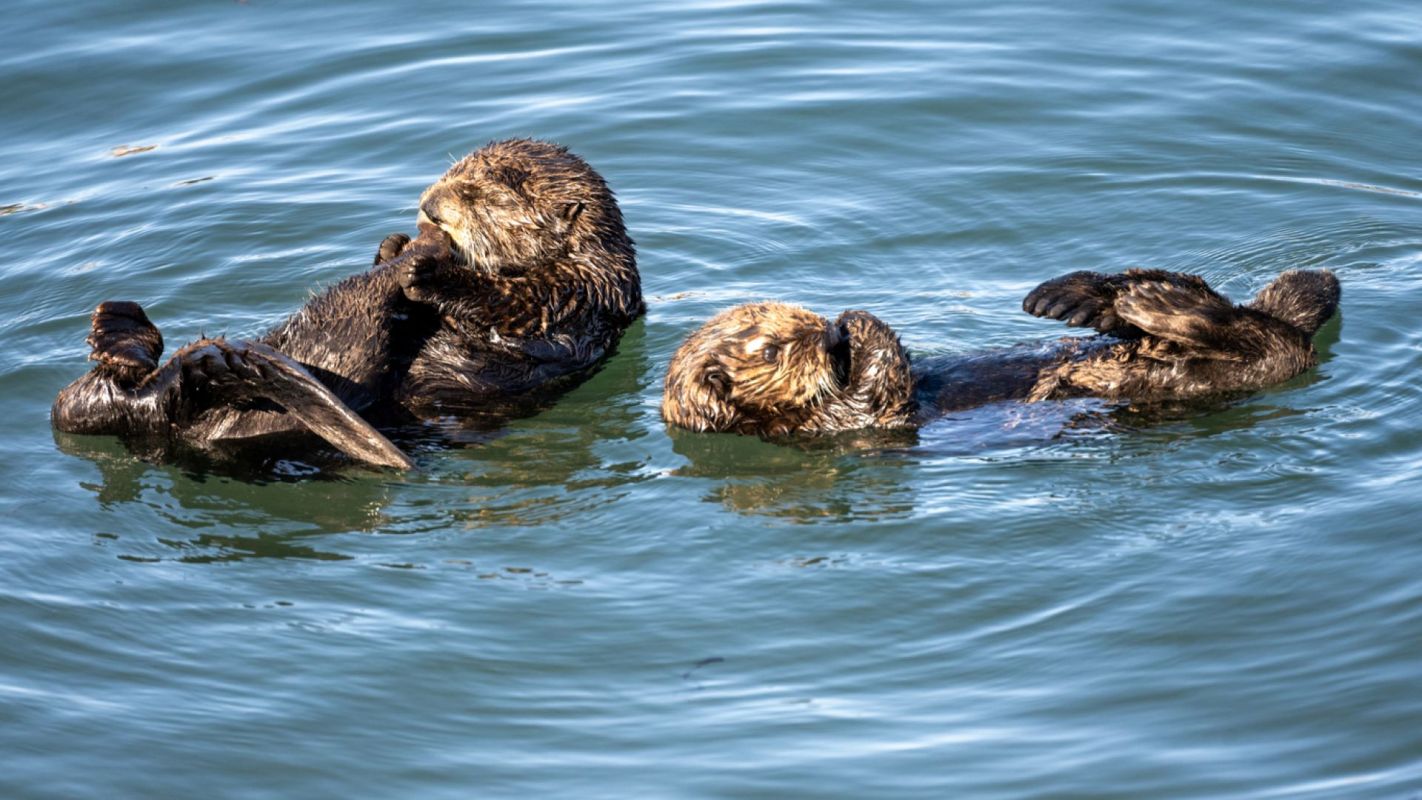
(218, 372)
(1080, 299)
(1183, 309)
(1190, 340)
(1179, 308)
(1172, 306)
(1304, 298)
(123, 340)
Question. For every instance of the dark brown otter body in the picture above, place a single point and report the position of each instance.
(772, 369)
(553, 283)
(522, 274)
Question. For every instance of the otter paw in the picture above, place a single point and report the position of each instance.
(122, 337)
(391, 247)
(218, 362)
(1080, 299)
(419, 275)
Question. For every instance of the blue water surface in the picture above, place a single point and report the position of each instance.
(1221, 602)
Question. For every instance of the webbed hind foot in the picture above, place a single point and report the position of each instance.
(123, 340)
(1081, 299)
(216, 372)
(1117, 304)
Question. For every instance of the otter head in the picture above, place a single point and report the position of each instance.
(774, 369)
(514, 206)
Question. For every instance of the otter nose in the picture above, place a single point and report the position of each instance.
(832, 336)
(431, 211)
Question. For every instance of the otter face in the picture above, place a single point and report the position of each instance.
(514, 206)
(773, 369)
(768, 356)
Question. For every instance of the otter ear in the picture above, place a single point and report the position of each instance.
(571, 211)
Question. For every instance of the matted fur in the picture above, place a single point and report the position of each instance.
(522, 278)
(1164, 336)
(771, 369)
(548, 279)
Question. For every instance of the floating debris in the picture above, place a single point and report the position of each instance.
(1354, 185)
(128, 150)
(705, 662)
(16, 208)
(672, 298)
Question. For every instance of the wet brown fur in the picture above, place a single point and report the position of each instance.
(522, 274)
(547, 285)
(1165, 336)
(773, 369)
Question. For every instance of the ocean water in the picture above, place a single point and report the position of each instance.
(1223, 601)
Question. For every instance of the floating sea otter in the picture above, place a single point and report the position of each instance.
(773, 369)
(522, 274)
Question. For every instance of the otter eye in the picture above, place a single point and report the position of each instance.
(771, 353)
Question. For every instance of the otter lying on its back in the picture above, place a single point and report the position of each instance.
(772, 369)
(545, 283)
(522, 273)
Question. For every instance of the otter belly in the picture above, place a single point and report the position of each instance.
(452, 376)
(947, 383)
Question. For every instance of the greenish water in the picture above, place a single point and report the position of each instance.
(1223, 603)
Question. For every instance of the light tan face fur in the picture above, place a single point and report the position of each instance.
(762, 358)
(512, 206)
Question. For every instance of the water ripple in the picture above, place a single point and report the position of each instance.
(1060, 599)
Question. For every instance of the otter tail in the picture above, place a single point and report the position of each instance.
(1304, 298)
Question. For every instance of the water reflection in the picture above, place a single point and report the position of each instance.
(216, 508)
(217, 549)
(574, 457)
(118, 458)
(857, 476)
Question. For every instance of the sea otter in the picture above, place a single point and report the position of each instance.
(522, 274)
(773, 369)
(544, 287)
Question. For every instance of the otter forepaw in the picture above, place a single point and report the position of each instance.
(122, 337)
(391, 247)
(419, 275)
